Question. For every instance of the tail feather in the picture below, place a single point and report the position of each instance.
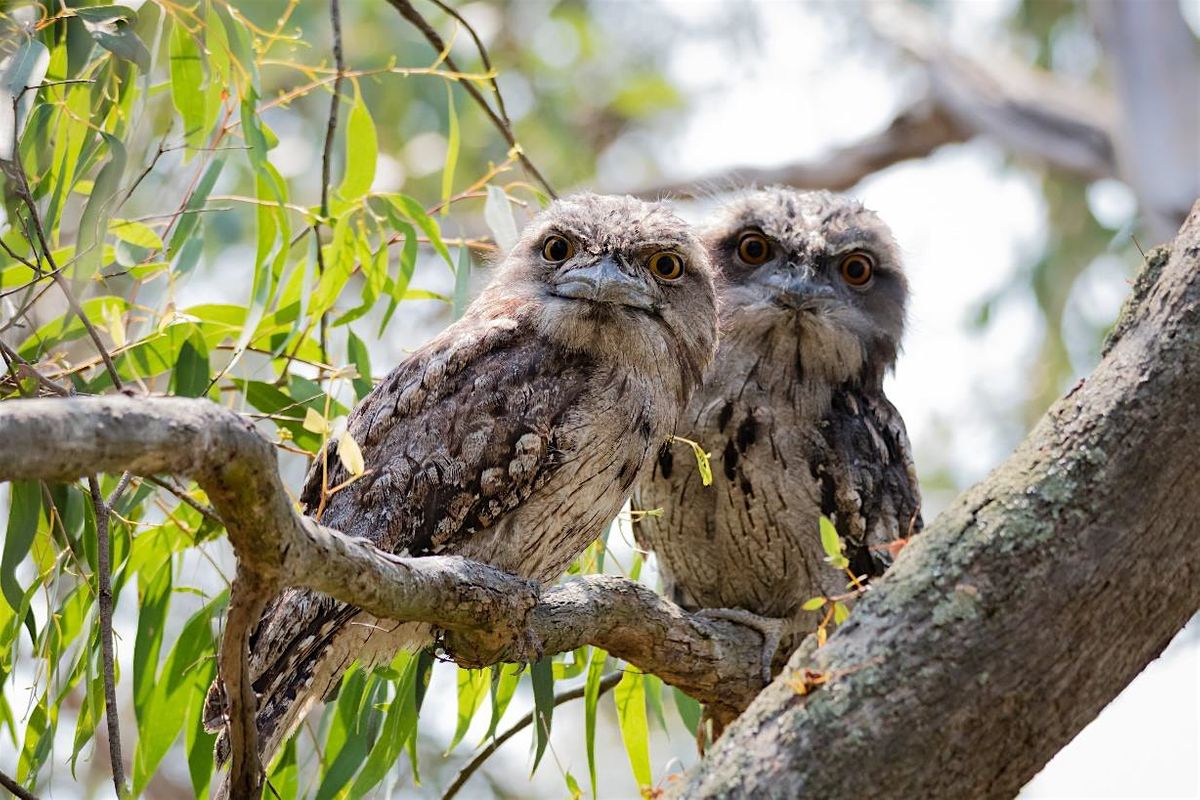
(298, 654)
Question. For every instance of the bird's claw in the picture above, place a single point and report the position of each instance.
(770, 628)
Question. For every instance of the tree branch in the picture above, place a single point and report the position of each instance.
(1031, 113)
(1020, 612)
(915, 132)
(104, 596)
(490, 615)
(500, 120)
(17, 789)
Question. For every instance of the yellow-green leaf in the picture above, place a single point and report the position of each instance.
(452, 142)
(813, 604)
(128, 230)
(351, 455)
(830, 542)
(630, 697)
(362, 151)
(315, 423)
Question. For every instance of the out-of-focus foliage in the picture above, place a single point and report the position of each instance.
(150, 141)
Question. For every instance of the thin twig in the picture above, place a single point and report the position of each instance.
(464, 774)
(14, 358)
(335, 21)
(20, 792)
(501, 122)
(181, 494)
(105, 603)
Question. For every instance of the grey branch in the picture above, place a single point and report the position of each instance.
(996, 637)
(491, 616)
(1031, 113)
(1024, 609)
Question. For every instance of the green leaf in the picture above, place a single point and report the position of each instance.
(832, 543)
(182, 681)
(191, 217)
(94, 221)
(813, 603)
(462, 282)
(112, 28)
(472, 688)
(654, 700)
(362, 151)
(841, 612)
(135, 233)
(399, 726)
(497, 213)
(187, 76)
(356, 354)
(504, 686)
(630, 697)
(452, 143)
(591, 697)
(191, 368)
(412, 210)
(154, 597)
(542, 675)
(24, 505)
(25, 67)
(689, 710)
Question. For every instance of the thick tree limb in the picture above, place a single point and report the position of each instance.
(1024, 609)
(492, 616)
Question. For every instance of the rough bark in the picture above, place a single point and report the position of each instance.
(1024, 609)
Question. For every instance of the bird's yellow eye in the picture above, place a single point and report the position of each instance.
(556, 249)
(857, 268)
(666, 266)
(754, 249)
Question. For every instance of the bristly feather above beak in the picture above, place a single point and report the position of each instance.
(604, 282)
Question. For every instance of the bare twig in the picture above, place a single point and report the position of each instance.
(335, 19)
(464, 774)
(19, 791)
(105, 603)
(501, 122)
(172, 486)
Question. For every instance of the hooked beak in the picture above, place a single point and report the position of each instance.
(604, 282)
(796, 287)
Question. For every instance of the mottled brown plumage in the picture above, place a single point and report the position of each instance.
(794, 412)
(512, 437)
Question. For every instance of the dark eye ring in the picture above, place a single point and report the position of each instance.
(557, 249)
(857, 268)
(754, 249)
(666, 266)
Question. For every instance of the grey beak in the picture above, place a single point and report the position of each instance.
(797, 285)
(604, 282)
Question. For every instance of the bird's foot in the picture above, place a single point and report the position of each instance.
(770, 628)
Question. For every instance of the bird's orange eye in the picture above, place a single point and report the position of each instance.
(666, 266)
(857, 269)
(556, 249)
(754, 249)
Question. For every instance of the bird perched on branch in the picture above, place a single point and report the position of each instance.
(511, 438)
(793, 409)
